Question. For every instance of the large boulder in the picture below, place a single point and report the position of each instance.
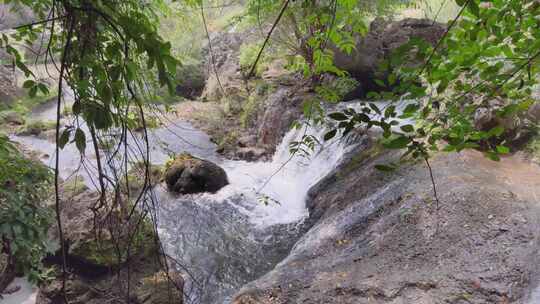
(281, 109)
(383, 38)
(384, 238)
(188, 174)
(223, 60)
(106, 251)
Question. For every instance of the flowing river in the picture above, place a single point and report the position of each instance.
(227, 239)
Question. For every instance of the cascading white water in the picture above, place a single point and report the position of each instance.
(285, 180)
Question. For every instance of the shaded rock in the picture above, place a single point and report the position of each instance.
(147, 286)
(190, 81)
(225, 47)
(534, 112)
(187, 174)
(383, 38)
(136, 178)
(106, 252)
(247, 141)
(518, 128)
(36, 127)
(96, 238)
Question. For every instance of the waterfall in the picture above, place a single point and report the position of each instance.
(227, 239)
(230, 238)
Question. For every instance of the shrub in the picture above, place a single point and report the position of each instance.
(24, 220)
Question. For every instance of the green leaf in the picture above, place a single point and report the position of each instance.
(407, 128)
(503, 150)
(399, 142)
(493, 156)
(64, 138)
(496, 131)
(473, 8)
(380, 83)
(29, 84)
(33, 91)
(330, 134)
(339, 116)
(80, 140)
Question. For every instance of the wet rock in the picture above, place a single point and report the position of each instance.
(251, 154)
(161, 288)
(379, 237)
(188, 174)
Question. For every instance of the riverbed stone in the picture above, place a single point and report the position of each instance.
(187, 174)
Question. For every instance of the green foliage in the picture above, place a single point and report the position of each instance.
(26, 103)
(489, 60)
(106, 48)
(253, 104)
(311, 28)
(247, 56)
(24, 220)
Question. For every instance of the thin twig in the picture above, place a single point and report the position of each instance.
(212, 57)
(283, 8)
(57, 158)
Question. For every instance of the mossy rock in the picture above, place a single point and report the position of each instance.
(36, 127)
(188, 174)
(102, 250)
(136, 177)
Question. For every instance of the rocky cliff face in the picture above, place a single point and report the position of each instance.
(380, 238)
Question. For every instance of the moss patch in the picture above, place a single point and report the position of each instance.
(105, 250)
(36, 127)
(136, 177)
